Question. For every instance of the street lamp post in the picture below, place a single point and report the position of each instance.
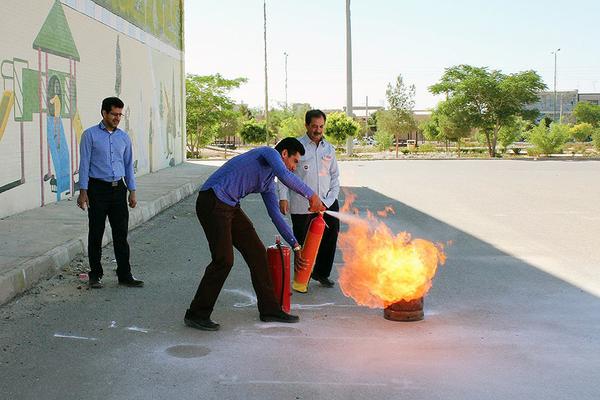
(266, 79)
(349, 110)
(286, 92)
(555, 52)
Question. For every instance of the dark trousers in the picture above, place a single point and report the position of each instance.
(326, 253)
(227, 227)
(107, 200)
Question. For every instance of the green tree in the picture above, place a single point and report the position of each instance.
(253, 132)
(276, 118)
(511, 132)
(448, 122)
(548, 140)
(339, 126)
(587, 112)
(489, 99)
(207, 107)
(292, 126)
(401, 99)
(384, 139)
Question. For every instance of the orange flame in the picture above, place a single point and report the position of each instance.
(381, 268)
(387, 210)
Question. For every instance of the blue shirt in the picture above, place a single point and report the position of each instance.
(106, 156)
(255, 172)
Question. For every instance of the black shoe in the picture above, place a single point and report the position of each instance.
(95, 283)
(279, 317)
(131, 282)
(328, 283)
(204, 324)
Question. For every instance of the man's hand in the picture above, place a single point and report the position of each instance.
(82, 200)
(132, 199)
(315, 204)
(299, 262)
(284, 206)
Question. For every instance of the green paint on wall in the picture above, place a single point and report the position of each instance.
(55, 36)
(31, 102)
(160, 18)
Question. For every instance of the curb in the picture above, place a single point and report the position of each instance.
(30, 272)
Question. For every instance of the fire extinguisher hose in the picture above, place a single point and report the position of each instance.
(282, 273)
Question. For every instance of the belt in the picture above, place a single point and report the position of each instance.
(105, 183)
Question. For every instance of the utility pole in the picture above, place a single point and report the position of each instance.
(349, 111)
(286, 93)
(266, 78)
(555, 52)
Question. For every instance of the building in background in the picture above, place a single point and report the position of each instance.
(58, 60)
(565, 103)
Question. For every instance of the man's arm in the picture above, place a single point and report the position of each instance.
(128, 165)
(334, 184)
(85, 154)
(129, 173)
(270, 200)
(283, 193)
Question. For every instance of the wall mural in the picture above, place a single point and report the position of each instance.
(42, 116)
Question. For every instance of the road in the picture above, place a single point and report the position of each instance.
(512, 314)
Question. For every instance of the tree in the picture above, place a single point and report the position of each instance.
(292, 126)
(401, 100)
(582, 132)
(207, 108)
(339, 126)
(587, 112)
(448, 122)
(276, 118)
(489, 99)
(548, 140)
(511, 132)
(384, 139)
(253, 132)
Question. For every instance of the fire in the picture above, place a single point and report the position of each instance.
(380, 267)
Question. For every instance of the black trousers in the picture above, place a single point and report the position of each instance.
(227, 227)
(109, 201)
(326, 254)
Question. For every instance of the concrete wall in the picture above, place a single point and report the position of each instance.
(59, 59)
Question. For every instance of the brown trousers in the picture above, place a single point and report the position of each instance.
(225, 227)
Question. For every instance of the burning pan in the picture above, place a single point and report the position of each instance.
(411, 310)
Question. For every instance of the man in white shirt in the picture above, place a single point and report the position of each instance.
(319, 170)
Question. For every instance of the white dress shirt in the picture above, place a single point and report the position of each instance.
(319, 170)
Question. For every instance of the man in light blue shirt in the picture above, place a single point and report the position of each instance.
(226, 226)
(318, 168)
(105, 176)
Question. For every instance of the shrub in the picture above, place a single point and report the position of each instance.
(549, 140)
(596, 138)
(426, 148)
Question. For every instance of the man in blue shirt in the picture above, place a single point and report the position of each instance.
(226, 226)
(105, 176)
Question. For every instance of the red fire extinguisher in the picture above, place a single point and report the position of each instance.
(309, 253)
(278, 257)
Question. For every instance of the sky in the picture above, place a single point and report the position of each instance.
(415, 38)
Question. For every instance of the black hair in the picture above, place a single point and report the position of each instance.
(291, 144)
(310, 114)
(110, 102)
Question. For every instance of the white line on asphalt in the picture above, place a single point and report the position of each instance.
(251, 298)
(58, 335)
(309, 306)
(136, 329)
(252, 382)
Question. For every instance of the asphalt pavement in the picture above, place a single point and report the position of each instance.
(514, 312)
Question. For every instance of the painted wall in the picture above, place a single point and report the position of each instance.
(58, 60)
